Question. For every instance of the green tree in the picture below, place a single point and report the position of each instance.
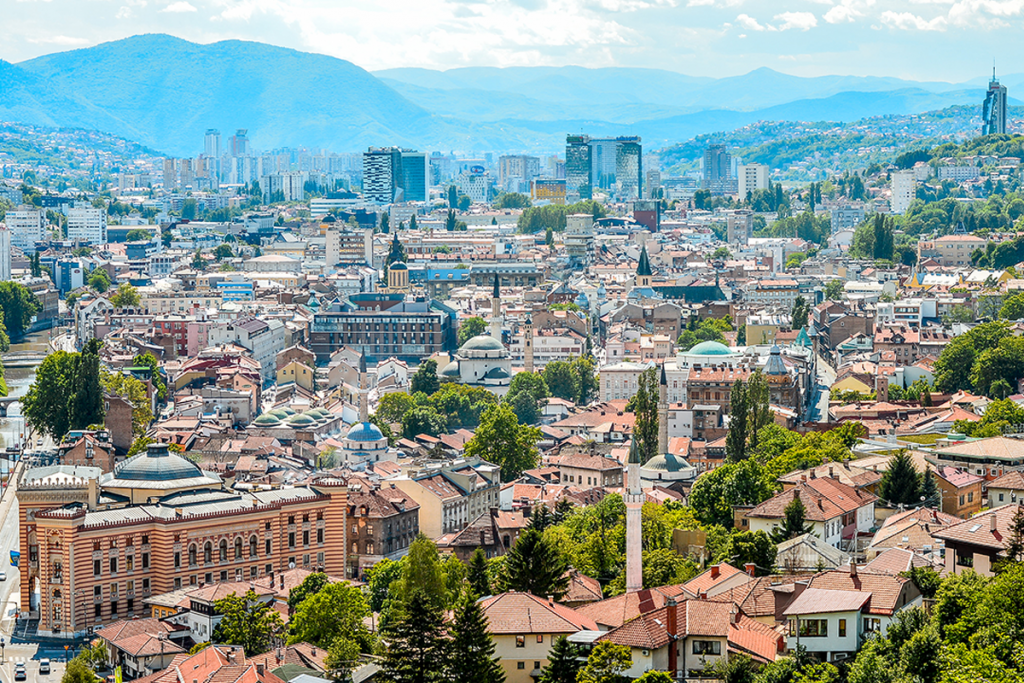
(198, 262)
(222, 252)
(423, 420)
(247, 621)
(501, 440)
(511, 200)
(394, 405)
(126, 296)
(883, 242)
(793, 522)
(800, 311)
(560, 380)
(900, 483)
(479, 581)
(87, 397)
(586, 379)
(470, 328)
(834, 290)
(535, 566)
(336, 610)
(99, 280)
(655, 677)
(18, 304)
(644, 406)
(930, 490)
(531, 383)
(607, 663)
(148, 360)
(379, 579)
(138, 235)
(524, 406)
(471, 651)
(310, 585)
(715, 493)
(133, 391)
(385, 223)
(425, 378)
(417, 649)
(759, 411)
(752, 547)
(422, 573)
(78, 671)
(563, 663)
(736, 439)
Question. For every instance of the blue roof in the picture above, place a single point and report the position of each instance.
(709, 348)
(364, 431)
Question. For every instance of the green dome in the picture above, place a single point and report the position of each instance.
(666, 463)
(483, 342)
(287, 410)
(267, 420)
(709, 348)
(279, 414)
(301, 420)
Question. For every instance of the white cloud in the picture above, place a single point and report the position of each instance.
(752, 24)
(178, 7)
(64, 41)
(803, 21)
(906, 21)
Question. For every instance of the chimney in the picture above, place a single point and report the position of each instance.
(282, 580)
(853, 567)
(259, 669)
(751, 568)
(831, 472)
(992, 522)
(734, 615)
(672, 617)
(714, 571)
(803, 478)
(703, 595)
(814, 474)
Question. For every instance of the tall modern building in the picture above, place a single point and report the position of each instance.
(26, 226)
(188, 178)
(718, 170)
(170, 175)
(87, 224)
(629, 168)
(516, 172)
(752, 177)
(382, 175)
(415, 176)
(993, 113)
(904, 186)
(5, 253)
(603, 161)
(579, 181)
(211, 146)
(238, 144)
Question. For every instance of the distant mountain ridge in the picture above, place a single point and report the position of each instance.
(164, 92)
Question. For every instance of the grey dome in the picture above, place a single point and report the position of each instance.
(497, 373)
(398, 265)
(156, 464)
(364, 431)
(483, 342)
(451, 370)
(666, 463)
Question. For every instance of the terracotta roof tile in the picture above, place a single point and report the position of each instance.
(522, 613)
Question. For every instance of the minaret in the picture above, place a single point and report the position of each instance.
(364, 390)
(634, 499)
(496, 310)
(663, 413)
(528, 343)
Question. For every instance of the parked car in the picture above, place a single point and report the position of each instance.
(44, 666)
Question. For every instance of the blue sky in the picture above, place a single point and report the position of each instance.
(944, 40)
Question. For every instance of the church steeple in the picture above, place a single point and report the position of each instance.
(643, 269)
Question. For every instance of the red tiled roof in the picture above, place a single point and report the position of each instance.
(884, 590)
(521, 613)
(710, 577)
(822, 601)
(978, 530)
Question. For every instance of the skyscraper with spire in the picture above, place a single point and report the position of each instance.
(993, 113)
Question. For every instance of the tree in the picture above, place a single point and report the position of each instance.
(78, 672)
(422, 573)
(379, 579)
(644, 405)
(479, 581)
(222, 252)
(754, 547)
(511, 200)
(524, 406)
(425, 379)
(126, 296)
(470, 328)
(736, 439)
(793, 522)
(99, 280)
(87, 400)
(655, 677)
(417, 650)
(534, 566)
(883, 242)
(423, 420)
(337, 610)
(531, 383)
(133, 391)
(342, 658)
(18, 304)
(309, 586)
(563, 663)
(198, 262)
(607, 663)
(715, 493)
(471, 652)
(759, 411)
(1013, 552)
(560, 380)
(930, 490)
(834, 290)
(247, 621)
(586, 379)
(394, 405)
(501, 440)
(900, 483)
(801, 309)
(149, 360)
(138, 235)
(385, 223)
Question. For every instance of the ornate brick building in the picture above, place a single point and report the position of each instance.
(95, 545)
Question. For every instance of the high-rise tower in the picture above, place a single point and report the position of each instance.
(579, 180)
(495, 327)
(528, 344)
(663, 413)
(993, 113)
(364, 390)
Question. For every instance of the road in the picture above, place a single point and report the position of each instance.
(826, 378)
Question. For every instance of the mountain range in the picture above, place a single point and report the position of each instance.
(164, 92)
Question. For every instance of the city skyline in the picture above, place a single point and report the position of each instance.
(715, 38)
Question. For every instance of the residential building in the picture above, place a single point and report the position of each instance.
(163, 524)
(590, 471)
(141, 647)
(384, 521)
(753, 177)
(847, 217)
(1006, 490)
(515, 172)
(87, 224)
(718, 178)
(989, 458)
(547, 191)
(951, 250)
(578, 238)
(451, 494)
(5, 253)
(781, 293)
(979, 542)
(26, 226)
(264, 339)
(961, 491)
(904, 186)
(350, 246)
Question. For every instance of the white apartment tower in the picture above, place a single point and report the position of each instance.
(87, 224)
(903, 186)
(26, 226)
(752, 177)
(5, 253)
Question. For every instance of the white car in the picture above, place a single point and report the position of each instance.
(3, 576)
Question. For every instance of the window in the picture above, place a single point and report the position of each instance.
(145, 585)
(964, 559)
(305, 537)
(177, 583)
(970, 497)
(252, 546)
(97, 567)
(145, 540)
(208, 553)
(97, 593)
(291, 539)
(113, 565)
(113, 609)
(208, 578)
(842, 628)
(707, 647)
(177, 560)
(540, 638)
(520, 665)
(1000, 498)
(319, 536)
(520, 641)
(961, 499)
(129, 562)
(223, 548)
(268, 547)
(872, 624)
(813, 628)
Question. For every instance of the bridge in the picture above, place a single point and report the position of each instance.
(5, 403)
(24, 359)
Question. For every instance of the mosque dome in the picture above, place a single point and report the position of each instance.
(267, 420)
(301, 420)
(451, 370)
(364, 431)
(709, 348)
(482, 342)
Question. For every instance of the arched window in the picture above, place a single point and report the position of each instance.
(223, 550)
(208, 552)
(252, 546)
(238, 548)
(192, 555)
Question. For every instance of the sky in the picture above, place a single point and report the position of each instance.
(929, 40)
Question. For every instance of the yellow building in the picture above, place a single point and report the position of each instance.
(301, 374)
